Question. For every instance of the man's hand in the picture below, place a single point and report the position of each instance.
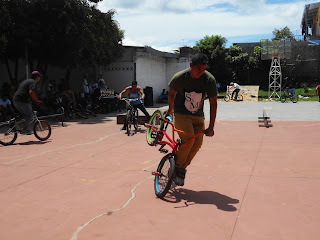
(167, 113)
(209, 132)
(38, 102)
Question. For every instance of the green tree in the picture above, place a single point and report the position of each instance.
(283, 34)
(214, 47)
(71, 34)
(238, 62)
(5, 21)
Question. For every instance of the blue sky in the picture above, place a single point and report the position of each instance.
(169, 24)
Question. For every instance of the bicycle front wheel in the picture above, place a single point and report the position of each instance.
(164, 175)
(42, 130)
(8, 135)
(283, 98)
(157, 124)
(294, 98)
(128, 123)
(136, 120)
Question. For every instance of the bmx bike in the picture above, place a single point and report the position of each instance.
(156, 132)
(9, 130)
(228, 97)
(132, 115)
(289, 94)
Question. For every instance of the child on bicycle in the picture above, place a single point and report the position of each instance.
(134, 92)
(188, 90)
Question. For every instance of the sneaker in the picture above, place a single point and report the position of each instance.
(180, 174)
(123, 128)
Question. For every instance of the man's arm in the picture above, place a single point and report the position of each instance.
(33, 96)
(142, 93)
(123, 92)
(171, 97)
(213, 112)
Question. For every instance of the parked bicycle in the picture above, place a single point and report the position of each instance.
(9, 130)
(155, 136)
(228, 97)
(289, 94)
(132, 115)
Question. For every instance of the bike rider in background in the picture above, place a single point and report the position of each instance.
(188, 90)
(22, 97)
(236, 91)
(134, 92)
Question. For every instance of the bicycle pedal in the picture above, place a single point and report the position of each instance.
(157, 174)
(163, 150)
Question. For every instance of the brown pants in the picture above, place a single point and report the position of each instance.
(191, 125)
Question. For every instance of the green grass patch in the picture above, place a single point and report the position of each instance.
(307, 93)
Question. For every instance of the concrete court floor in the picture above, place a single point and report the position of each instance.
(91, 181)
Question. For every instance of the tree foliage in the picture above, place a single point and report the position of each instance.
(283, 34)
(67, 33)
(214, 47)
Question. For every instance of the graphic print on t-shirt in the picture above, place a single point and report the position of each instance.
(192, 101)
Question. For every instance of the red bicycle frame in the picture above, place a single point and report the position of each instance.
(171, 141)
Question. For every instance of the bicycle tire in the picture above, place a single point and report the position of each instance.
(294, 98)
(227, 97)
(283, 99)
(128, 122)
(163, 183)
(8, 134)
(156, 123)
(42, 130)
(240, 97)
(136, 120)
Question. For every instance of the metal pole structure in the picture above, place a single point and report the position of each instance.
(27, 61)
(275, 78)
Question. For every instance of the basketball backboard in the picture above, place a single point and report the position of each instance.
(271, 49)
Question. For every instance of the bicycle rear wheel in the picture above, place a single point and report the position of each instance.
(164, 175)
(240, 97)
(227, 97)
(294, 98)
(42, 130)
(128, 123)
(157, 124)
(8, 135)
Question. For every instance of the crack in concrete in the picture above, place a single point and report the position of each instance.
(109, 213)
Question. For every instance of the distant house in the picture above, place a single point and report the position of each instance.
(310, 22)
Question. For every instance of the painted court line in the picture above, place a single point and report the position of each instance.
(56, 149)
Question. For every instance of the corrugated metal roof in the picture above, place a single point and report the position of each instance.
(309, 13)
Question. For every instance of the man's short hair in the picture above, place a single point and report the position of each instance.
(134, 82)
(199, 58)
(35, 74)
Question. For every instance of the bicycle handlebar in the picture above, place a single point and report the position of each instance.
(128, 100)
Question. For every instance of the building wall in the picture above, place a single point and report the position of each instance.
(119, 75)
(149, 67)
(316, 23)
(151, 72)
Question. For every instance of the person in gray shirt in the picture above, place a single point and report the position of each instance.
(22, 100)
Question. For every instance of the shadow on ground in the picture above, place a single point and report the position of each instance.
(190, 197)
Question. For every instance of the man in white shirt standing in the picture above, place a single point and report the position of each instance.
(236, 91)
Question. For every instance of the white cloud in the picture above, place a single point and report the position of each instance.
(167, 24)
